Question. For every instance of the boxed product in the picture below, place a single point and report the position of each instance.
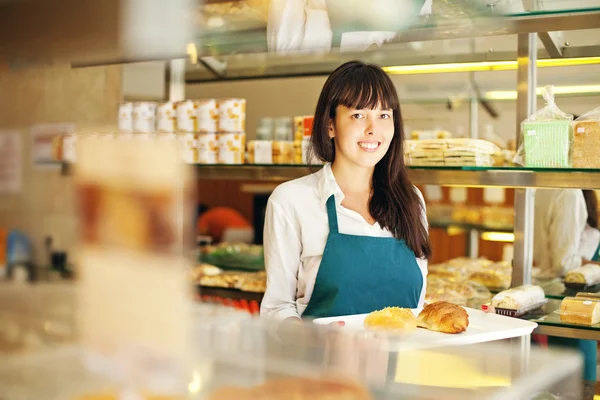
(207, 116)
(283, 152)
(208, 148)
(126, 117)
(187, 116)
(232, 115)
(232, 148)
(586, 140)
(260, 152)
(546, 137)
(166, 118)
(189, 147)
(144, 117)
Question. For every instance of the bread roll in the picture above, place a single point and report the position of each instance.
(444, 317)
(580, 311)
(297, 389)
(393, 319)
(588, 274)
(519, 298)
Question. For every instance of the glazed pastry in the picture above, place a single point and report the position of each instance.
(519, 298)
(393, 319)
(444, 317)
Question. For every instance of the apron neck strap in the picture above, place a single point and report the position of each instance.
(332, 214)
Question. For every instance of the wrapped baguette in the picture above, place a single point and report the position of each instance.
(580, 311)
(519, 298)
(588, 274)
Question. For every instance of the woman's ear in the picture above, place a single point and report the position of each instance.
(331, 129)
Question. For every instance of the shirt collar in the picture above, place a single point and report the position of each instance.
(328, 186)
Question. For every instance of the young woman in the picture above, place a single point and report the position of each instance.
(353, 237)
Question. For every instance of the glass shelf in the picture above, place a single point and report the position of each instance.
(437, 223)
(469, 176)
(231, 37)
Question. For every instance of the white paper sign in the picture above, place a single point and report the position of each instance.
(41, 142)
(458, 195)
(494, 195)
(433, 193)
(11, 166)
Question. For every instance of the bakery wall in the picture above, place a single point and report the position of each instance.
(87, 97)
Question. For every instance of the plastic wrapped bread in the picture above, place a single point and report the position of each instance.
(588, 274)
(519, 298)
(586, 140)
(547, 137)
(580, 310)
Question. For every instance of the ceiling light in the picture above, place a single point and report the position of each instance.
(485, 66)
(512, 95)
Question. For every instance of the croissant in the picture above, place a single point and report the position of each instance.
(443, 317)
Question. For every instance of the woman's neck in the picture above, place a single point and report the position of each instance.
(352, 178)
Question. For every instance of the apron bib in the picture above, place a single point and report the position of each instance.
(361, 274)
(596, 256)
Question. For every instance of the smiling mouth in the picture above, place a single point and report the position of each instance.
(369, 146)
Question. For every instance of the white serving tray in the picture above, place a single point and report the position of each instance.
(483, 327)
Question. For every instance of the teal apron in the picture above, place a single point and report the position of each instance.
(361, 274)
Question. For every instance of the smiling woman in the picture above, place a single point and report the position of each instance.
(351, 238)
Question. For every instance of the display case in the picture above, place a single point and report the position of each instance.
(236, 356)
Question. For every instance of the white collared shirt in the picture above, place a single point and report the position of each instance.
(561, 236)
(296, 229)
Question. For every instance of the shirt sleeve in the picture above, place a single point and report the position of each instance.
(282, 249)
(423, 262)
(568, 221)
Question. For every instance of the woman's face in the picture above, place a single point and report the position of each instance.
(362, 137)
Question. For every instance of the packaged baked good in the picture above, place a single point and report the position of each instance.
(283, 152)
(126, 117)
(519, 298)
(580, 311)
(586, 275)
(586, 140)
(546, 137)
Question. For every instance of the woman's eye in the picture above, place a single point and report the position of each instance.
(385, 116)
(357, 116)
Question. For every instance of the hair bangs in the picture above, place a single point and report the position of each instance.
(366, 88)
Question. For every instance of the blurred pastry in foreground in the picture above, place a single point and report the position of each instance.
(392, 319)
(443, 317)
(297, 389)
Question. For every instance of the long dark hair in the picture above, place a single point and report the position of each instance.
(394, 203)
(591, 203)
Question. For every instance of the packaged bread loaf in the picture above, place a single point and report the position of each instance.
(586, 140)
(580, 311)
(588, 274)
(547, 137)
(519, 298)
